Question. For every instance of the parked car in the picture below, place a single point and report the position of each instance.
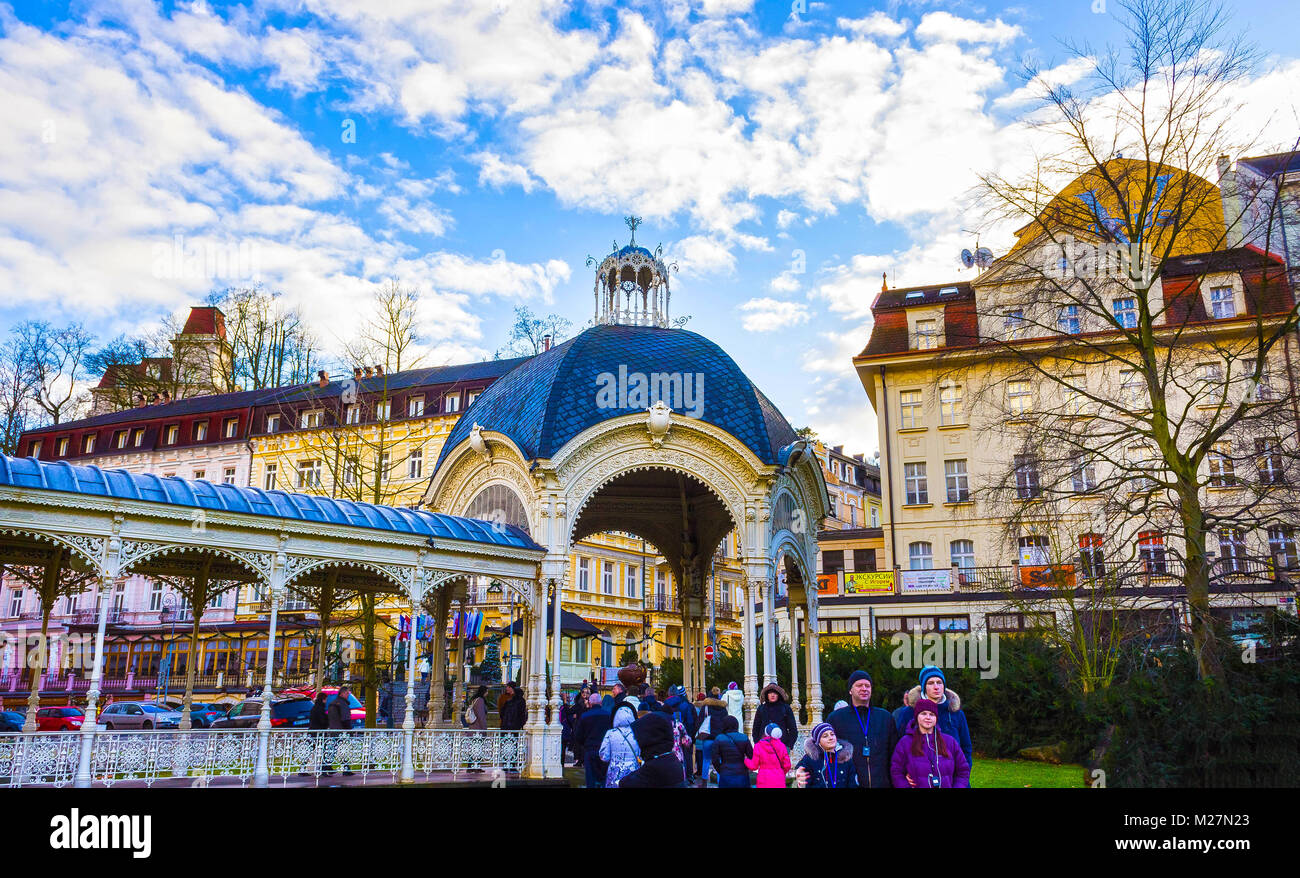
(11, 721)
(59, 719)
(332, 692)
(291, 712)
(203, 715)
(139, 715)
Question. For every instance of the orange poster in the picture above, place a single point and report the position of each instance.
(1047, 576)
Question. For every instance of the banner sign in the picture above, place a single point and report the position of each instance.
(1047, 576)
(827, 583)
(911, 581)
(879, 582)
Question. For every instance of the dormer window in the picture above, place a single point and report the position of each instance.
(173, 434)
(272, 423)
(1223, 302)
(415, 407)
(201, 431)
(61, 447)
(312, 419)
(34, 450)
(470, 397)
(927, 335)
(231, 427)
(137, 437)
(914, 296)
(120, 439)
(451, 402)
(88, 444)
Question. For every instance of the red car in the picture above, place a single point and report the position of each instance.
(59, 719)
(331, 692)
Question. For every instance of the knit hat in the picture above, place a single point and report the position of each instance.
(732, 685)
(819, 730)
(932, 671)
(859, 675)
(925, 704)
(699, 696)
(772, 730)
(839, 704)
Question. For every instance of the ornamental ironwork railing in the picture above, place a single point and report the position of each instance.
(229, 758)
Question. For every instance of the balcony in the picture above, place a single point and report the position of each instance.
(91, 617)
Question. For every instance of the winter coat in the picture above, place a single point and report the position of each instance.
(771, 760)
(820, 776)
(872, 766)
(952, 770)
(716, 710)
(730, 752)
(951, 719)
(514, 714)
(339, 713)
(592, 727)
(684, 711)
(479, 706)
(619, 747)
(655, 735)
(735, 701)
(779, 713)
(319, 717)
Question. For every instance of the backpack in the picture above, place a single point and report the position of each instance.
(470, 716)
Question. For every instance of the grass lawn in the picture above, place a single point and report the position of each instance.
(1019, 773)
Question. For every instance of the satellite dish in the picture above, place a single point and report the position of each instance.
(983, 257)
(967, 260)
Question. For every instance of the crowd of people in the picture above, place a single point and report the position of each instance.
(665, 739)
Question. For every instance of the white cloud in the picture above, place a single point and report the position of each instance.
(1064, 74)
(948, 28)
(877, 24)
(769, 315)
(499, 174)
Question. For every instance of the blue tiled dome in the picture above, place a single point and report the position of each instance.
(552, 397)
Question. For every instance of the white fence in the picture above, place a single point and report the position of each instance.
(228, 758)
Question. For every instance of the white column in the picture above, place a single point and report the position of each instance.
(751, 659)
(408, 721)
(794, 659)
(261, 773)
(556, 702)
(769, 632)
(89, 723)
(535, 727)
(812, 645)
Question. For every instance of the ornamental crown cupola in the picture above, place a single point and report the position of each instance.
(631, 285)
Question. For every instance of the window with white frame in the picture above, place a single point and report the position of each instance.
(1092, 556)
(962, 553)
(607, 577)
(1125, 311)
(451, 402)
(61, 447)
(383, 410)
(1222, 470)
(1232, 550)
(875, 517)
(415, 464)
(1014, 322)
(200, 474)
(927, 335)
(917, 486)
(1263, 388)
(584, 574)
(415, 407)
(269, 476)
(228, 475)
(231, 427)
(1076, 393)
(309, 473)
(910, 406)
(1282, 547)
(1209, 373)
(1083, 473)
(951, 409)
(272, 423)
(16, 602)
(1141, 463)
(1067, 320)
(200, 431)
(958, 482)
(119, 438)
(137, 437)
(351, 465)
(1034, 550)
(312, 419)
(1151, 549)
(155, 597)
(630, 581)
(352, 414)
(1268, 461)
(470, 397)
(1132, 387)
(173, 434)
(385, 465)
(1027, 483)
(1020, 398)
(35, 449)
(1223, 302)
(920, 556)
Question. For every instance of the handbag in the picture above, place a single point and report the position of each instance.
(470, 716)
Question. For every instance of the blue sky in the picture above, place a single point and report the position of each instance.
(481, 151)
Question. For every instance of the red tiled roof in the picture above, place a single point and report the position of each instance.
(205, 321)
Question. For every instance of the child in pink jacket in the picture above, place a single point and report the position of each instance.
(771, 759)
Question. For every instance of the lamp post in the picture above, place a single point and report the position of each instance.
(168, 615)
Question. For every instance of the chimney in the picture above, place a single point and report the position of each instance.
(546, 342)
(322, 379)
(156, 398)
(166, 396)
(356, 372)
(379, 370)
(369, 372)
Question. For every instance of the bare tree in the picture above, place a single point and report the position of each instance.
(17, 386)
(1121, 400)
(529, 333)
(56, 359)
(273, 346)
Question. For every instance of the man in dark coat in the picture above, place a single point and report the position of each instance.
(660, 768)
(514, 713)
(684, 713)
(774, 707)
(591, 729)
(339, 715)
(869, 729)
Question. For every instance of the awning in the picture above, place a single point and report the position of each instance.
(571, 624)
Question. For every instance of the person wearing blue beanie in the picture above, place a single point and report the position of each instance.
(869, 730)
(952, 721)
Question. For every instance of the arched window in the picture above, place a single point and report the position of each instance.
(783, 514)
(920, 556)
(499, 505)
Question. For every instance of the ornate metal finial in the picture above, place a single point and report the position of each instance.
(632, 223)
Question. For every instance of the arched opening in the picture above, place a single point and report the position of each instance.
(499, 504)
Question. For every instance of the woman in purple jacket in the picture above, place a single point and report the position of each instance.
(925, 756)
